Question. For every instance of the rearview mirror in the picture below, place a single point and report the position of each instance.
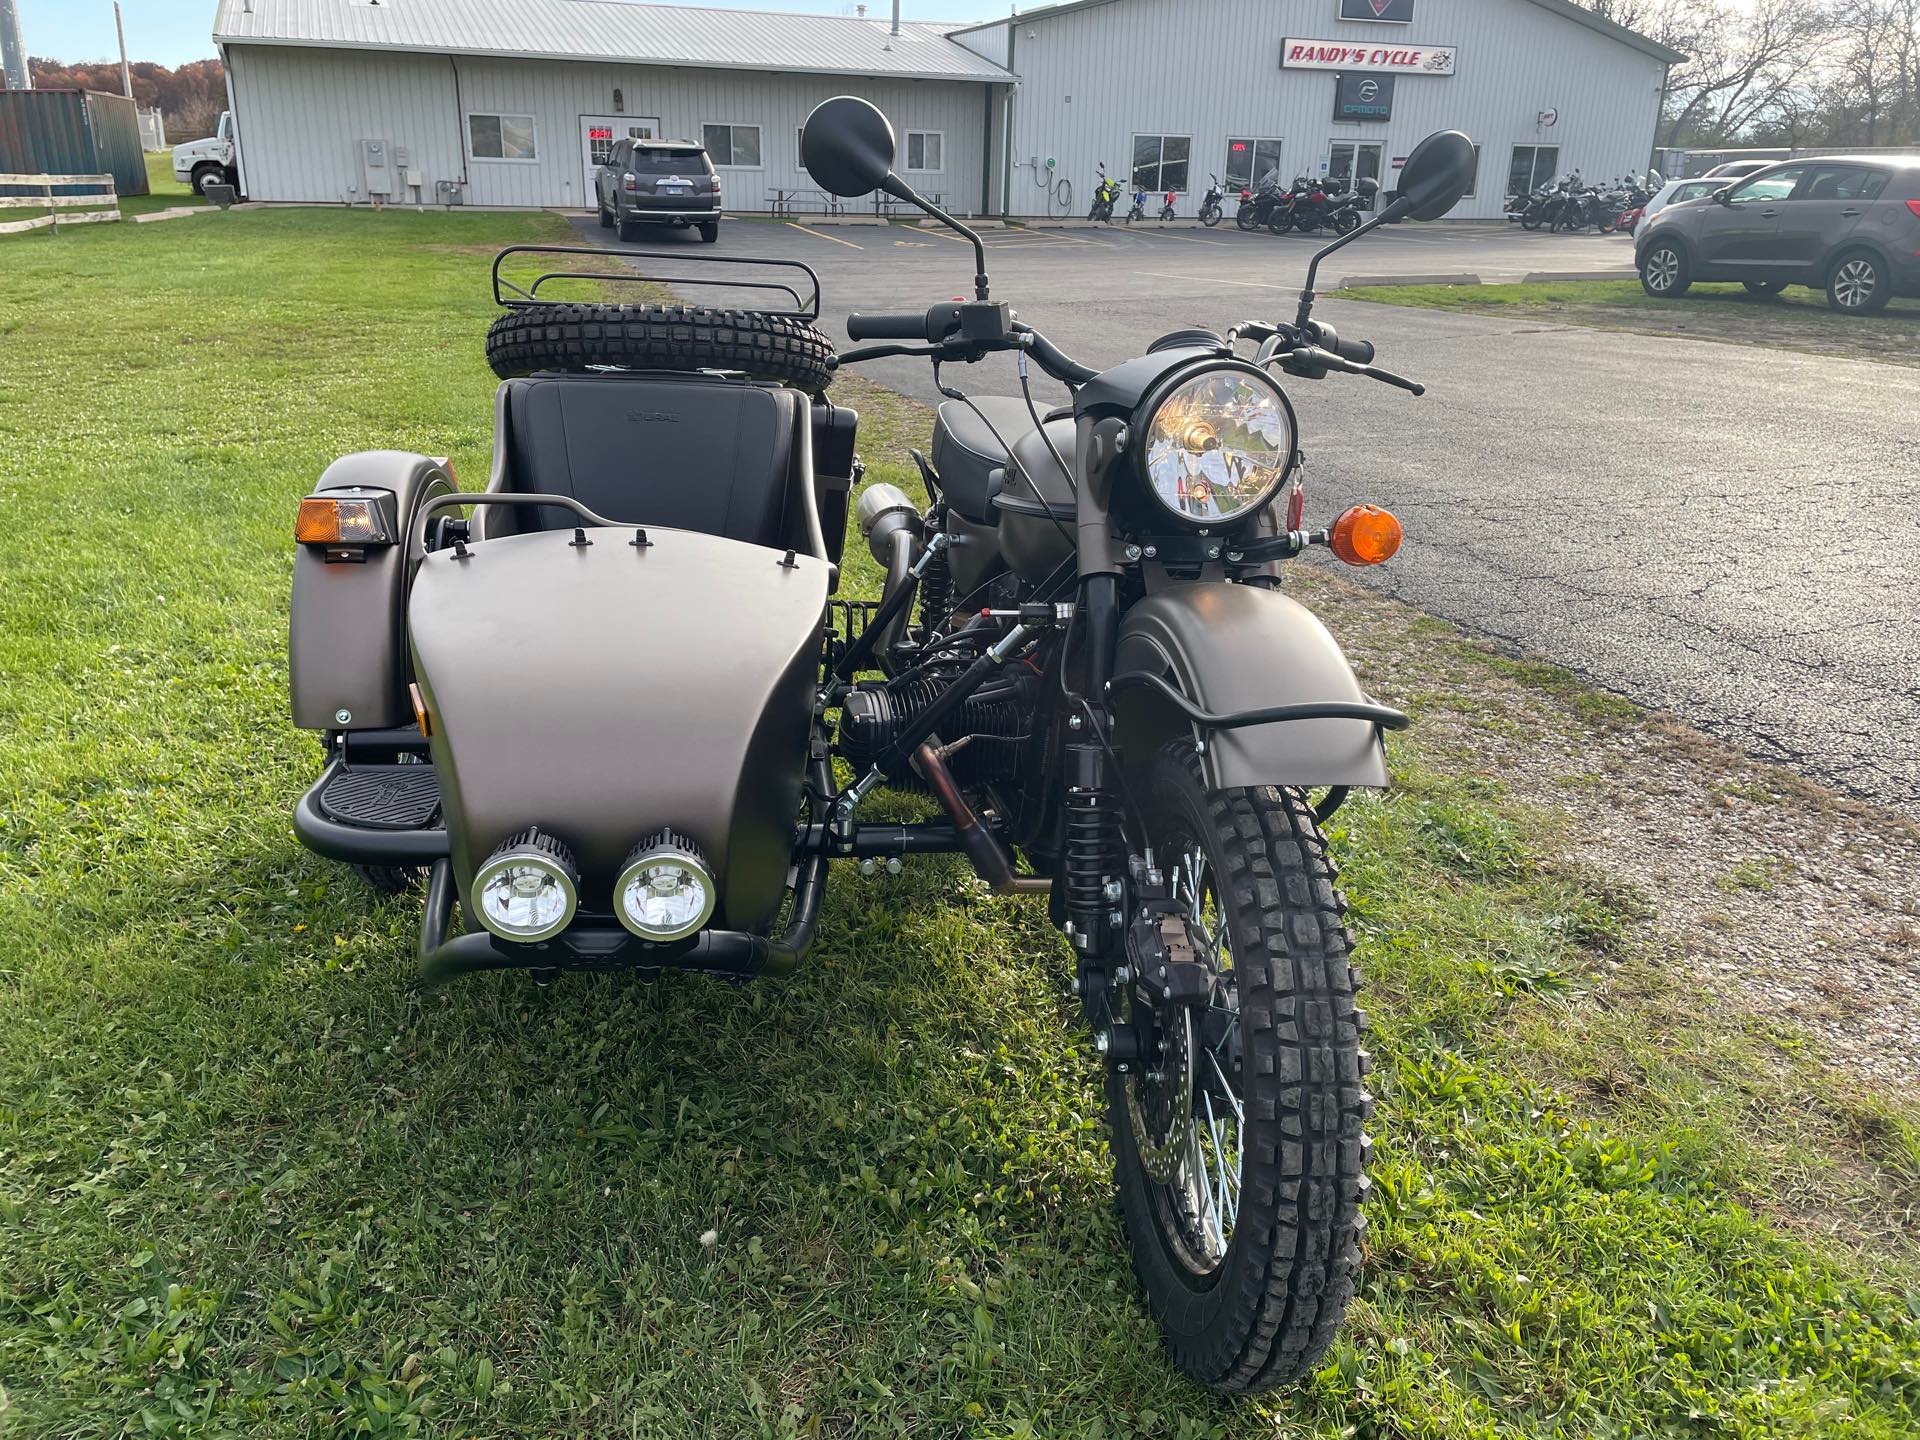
(1435, 176)
(847, 146)
(1724, 195)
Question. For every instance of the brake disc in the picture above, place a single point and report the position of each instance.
(1161, 1110)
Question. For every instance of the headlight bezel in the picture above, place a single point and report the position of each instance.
(534, 849)
(1141, 428)
(666, 848)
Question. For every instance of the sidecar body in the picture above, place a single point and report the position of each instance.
(617, 657)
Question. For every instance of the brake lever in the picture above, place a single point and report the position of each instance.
(1310, 362)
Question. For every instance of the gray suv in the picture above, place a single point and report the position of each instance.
(658, 182)
(1848, 225)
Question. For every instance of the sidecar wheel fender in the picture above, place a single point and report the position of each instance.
(346, 641)
(1239, 647)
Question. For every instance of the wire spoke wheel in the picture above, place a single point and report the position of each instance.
(1238, 1135)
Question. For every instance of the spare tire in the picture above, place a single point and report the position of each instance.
(660, 337)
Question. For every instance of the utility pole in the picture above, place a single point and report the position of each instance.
(13, 49)
(126, 75)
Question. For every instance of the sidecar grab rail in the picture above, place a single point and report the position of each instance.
(1385, 716)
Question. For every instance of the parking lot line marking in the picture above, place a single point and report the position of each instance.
(796, 225)
(1190, 239)
(1215, 280)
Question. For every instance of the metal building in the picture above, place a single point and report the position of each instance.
(1167, 92)
(510, 102)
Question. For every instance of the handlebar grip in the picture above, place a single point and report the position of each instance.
(1358, 351)
(888, 327)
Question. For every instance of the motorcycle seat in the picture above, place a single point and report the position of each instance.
(968, 456)
(687, 452)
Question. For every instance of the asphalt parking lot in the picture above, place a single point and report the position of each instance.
(1728, 532)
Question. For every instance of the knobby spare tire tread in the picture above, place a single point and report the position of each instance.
(659, 337)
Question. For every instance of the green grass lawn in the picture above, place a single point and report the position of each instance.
(253, 1182)
(1796, 319)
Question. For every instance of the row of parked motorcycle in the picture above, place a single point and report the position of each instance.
(1571, 204)
(1306, 206)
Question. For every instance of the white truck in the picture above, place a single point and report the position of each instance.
(201, 163)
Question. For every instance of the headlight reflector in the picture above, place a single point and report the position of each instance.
(666, 890)
(1218, 445)
(528, 889)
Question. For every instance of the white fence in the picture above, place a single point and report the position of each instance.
(102, 204)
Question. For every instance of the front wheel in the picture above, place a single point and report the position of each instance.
(1247, 217)
(1664, 273)
(1238, 1138)
(1210, 216)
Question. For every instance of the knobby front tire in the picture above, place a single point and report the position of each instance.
(1254, 1303)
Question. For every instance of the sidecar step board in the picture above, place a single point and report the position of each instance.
(373, 815)
(382, 797)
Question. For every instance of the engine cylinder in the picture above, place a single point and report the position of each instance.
(993, 723)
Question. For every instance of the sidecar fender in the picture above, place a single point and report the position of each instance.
(1240, 647)
(346, 646)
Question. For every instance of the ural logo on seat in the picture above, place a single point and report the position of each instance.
(651, 417)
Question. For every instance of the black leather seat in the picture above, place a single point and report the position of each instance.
(687, 452)
(967, 455)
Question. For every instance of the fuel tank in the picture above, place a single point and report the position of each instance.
(607, 690)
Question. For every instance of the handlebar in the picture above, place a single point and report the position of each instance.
(889, 327)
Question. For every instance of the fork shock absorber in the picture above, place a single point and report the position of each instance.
(1093, 850)
(1090, 856)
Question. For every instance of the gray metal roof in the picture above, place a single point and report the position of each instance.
(610, 30)
(1566, 9)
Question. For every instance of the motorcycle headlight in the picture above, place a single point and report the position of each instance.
(666, 890)
(528, 889)
(1217, 445)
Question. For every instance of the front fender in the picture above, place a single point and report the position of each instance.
(1240, 647)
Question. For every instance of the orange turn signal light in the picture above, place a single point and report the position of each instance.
(344, 519)
(420, 713)
(1365, 535)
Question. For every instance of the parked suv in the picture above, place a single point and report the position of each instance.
(1850, 226)
(658, 182)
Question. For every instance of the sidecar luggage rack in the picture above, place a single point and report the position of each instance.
(804, 295)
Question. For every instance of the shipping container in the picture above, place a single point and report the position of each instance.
(71, 132)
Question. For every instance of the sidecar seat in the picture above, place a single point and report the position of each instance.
(691, 452)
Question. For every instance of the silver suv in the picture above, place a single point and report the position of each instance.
(1848, 225)
(658, 182)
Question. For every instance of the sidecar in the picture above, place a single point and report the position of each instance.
(587, 708)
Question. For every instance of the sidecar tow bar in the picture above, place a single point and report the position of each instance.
(1385, 716)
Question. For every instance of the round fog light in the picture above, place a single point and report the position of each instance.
(665, 890)
(528, 889)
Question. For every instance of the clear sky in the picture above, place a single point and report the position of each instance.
(175, 31)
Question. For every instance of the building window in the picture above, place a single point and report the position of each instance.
(1473, 180)
(501, 137)
(1160, 162)
(924, 155)
(1531, 167)
(1250, 161)
(735, 145)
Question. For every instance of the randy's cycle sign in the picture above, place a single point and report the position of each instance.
(1394, 59)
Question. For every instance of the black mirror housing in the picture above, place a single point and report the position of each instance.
(1435, 176)
(848, 147)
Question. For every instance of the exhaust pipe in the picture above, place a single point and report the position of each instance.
(891, 525)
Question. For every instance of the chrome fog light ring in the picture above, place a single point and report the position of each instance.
(666, 890)
(528, 890)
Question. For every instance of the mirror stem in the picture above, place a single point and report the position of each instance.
(1393, 211)
(900, 190)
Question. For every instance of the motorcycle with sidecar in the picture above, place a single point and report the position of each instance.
(605, 703)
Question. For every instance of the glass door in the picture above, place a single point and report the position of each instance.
(1351, 161)
(599, 132)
